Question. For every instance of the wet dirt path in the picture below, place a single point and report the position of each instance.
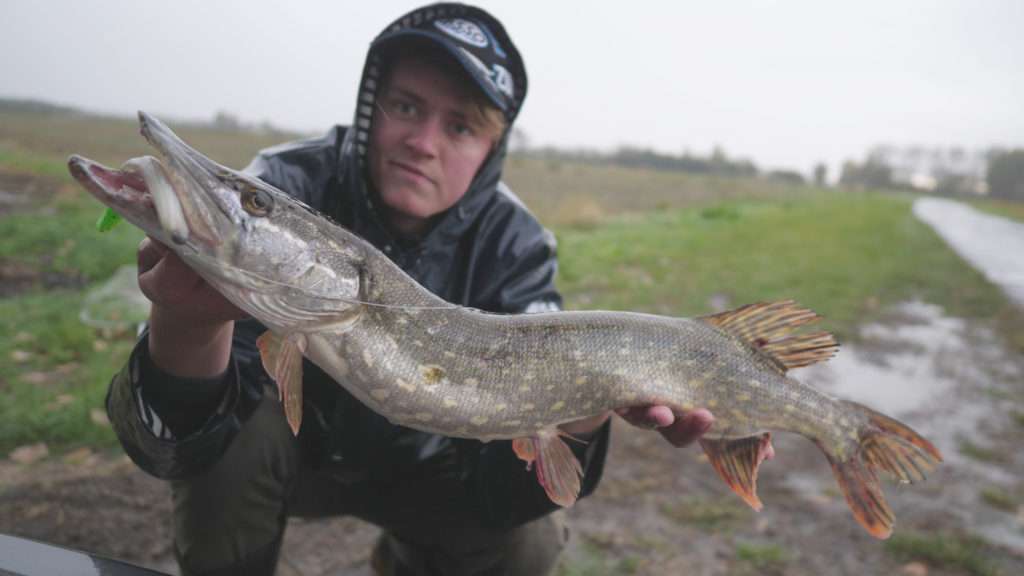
(993, 245)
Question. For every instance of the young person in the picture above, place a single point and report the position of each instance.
(417, 175)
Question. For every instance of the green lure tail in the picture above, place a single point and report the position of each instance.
(108, 220)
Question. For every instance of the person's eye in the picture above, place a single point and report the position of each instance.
(404, 109)
(462, 129)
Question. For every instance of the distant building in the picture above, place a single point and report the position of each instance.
(952, 169)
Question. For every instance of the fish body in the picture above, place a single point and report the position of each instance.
(328, 295)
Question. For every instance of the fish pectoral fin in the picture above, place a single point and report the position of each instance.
(767, 327)
(737, 461)
(282, 359)
(558, 470)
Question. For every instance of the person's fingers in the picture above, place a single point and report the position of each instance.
(688, 427)
(150, 252)
(647, 416)
(168, 280)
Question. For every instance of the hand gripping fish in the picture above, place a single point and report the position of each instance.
(328, 295)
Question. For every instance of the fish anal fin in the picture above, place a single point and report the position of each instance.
(768, 328)
(864, 496)
(737, 461)
(282, 359)
(558, 470)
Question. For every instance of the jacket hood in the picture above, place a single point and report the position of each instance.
(479, 43)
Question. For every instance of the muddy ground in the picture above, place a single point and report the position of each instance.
(661, 510)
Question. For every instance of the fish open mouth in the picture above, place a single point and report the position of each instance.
(173, 200)
(125, 191)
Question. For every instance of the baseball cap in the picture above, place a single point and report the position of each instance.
(476, 40)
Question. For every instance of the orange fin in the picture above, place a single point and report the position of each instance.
(885, 444)
(864, 496)
(558, 470)
(282, 359)
(890, 432)
(737, 461)
(767, 327)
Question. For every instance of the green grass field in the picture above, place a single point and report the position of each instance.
(1004, 208)
(628, 240)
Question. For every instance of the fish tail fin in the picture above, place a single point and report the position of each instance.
(883, 444)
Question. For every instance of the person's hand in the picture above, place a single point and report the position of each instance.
(190, 323)
(679, 429)
(170, 284)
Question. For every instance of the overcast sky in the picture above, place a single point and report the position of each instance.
(786, 84)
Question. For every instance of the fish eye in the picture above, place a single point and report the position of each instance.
(257, 202)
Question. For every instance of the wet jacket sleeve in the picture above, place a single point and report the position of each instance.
(174, 427)
(523, 277)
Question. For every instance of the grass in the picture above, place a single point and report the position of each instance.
(20, 161)
(1018, 418)
(43, 141)
(846, 255)
(707, 514)
(948, 551)
(590, 560)
(61, 238)
(1004, 208)
(54, 373)
(1000, 499)
(584, 195)
(981, 453)
(762, 559)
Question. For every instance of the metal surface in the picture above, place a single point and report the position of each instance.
(23, 557)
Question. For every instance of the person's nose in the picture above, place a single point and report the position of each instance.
(425, 138)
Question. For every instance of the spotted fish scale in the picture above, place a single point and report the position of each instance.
(421, 362)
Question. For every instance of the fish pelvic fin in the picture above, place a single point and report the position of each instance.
(558, 470)
(282, 359)
(768, 328)
(736, 462)
(884, 444)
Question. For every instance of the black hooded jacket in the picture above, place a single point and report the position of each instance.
(487, 252)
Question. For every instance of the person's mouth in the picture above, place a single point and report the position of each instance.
(411, 170)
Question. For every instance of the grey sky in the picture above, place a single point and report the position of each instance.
(784, 83)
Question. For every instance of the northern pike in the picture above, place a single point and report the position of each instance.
(421, 362)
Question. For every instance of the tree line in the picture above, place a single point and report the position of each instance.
(996, 172)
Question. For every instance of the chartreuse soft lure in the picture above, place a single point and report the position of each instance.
(108, 220)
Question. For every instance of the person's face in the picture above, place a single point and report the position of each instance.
(426, 144)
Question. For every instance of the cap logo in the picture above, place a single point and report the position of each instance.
(497, 76)
(464, 31)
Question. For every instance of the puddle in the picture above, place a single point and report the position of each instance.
(9, 199)
(951, 380)
(991, 244)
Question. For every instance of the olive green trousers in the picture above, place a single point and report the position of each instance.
(231, 519)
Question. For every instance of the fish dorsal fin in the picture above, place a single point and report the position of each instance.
(768, 328)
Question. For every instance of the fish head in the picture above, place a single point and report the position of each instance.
(241, 234)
